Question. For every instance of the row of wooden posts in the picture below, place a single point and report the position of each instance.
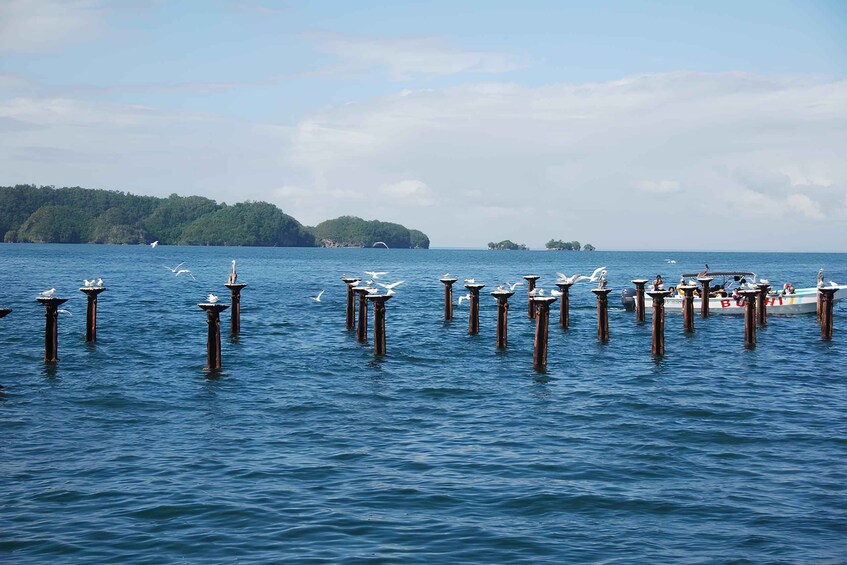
(538, 308)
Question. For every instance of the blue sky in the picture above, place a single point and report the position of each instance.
(473, 121)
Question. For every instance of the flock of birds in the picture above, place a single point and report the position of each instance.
(599, 274)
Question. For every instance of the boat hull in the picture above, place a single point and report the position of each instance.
(803, 301)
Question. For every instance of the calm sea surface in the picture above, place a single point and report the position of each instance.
(306, 447)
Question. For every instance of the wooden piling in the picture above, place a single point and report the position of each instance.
(542, 322)
(687, 306)
(658, 296)
(91, 292)
(749, 316)
(448, 297)
(602, 313)
(213, 337)
(530, 286)
(640, 314)
(705, 288)
(827, 296)
(51, 327)
(235, 299)
(379, 301)
(502, 297)
(350, 311)
(761, 303)
(473, 320)
(362, 326)
(564, 304)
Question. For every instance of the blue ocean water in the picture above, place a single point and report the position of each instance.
(306, 447)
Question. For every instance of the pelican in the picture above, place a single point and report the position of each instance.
(174, 269)
(375, 274)
(318, 297)
(212, 298)
(463, 298)
(185, 271)
(154, 244)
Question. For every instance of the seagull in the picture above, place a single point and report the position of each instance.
(184, 271)
(48, 293)
(88, 283)
(154, 244)
(390, 287)
(536, 292)
(513, 286)
(445, 276)
(463, 298)
(175, 269)
(470, 281)
(556, 292)
(570, 279)
(318, 297)
(375, 274)
(99, 282)
(63, 311)
(670, 261)
(595, 274)
(212, 298)
(833, 283)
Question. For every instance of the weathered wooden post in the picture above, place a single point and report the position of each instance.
(91, 292)
(749, 316)
(502, 296)
(362, 327)
(819, 295)
(530, 286)
(687, 306)
(235, 299)
(448, 297)
(602, 313)
(658, 297)
(473, 323)
(564, 304)
(827, 296)
(51, 327)
(350, 312)
(213, 339)
(639, 299)
(542, 321)
(705, 288)
(379, 301)
(761, 303)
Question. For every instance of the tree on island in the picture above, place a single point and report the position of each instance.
(507, 244)
(559, 245)
(588, 247)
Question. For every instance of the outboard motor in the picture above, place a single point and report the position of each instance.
(628, 299)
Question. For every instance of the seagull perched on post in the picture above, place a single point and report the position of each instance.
(100, 282)
(48, 293)
(212, 298)
(569, 279)
(88, 283)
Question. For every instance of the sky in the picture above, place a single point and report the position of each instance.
(630, 125)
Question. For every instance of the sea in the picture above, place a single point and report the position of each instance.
(305, 447)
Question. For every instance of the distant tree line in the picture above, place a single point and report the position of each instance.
(559, 245)
(507, 244)
(77, 215)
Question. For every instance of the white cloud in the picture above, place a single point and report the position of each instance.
(28, 26)
(408, 193)
(405, 57)
(621, 164)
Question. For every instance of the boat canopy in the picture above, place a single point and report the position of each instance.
(721, 274)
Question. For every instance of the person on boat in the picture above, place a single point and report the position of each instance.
(788, 288)
(658, 284)
(735, 294)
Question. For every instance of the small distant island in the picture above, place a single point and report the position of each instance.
(552, 245)
(45, 214)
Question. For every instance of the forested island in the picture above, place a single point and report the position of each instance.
(507, 245)
(552, 245)
(31, 214)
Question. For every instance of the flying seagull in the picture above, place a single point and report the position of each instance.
(174, 269)
(154, 244)
(595, 274)
(318, 297)
(463, 298)
(375, 274)
(390, 287)
(185, 271)
(513, 286)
